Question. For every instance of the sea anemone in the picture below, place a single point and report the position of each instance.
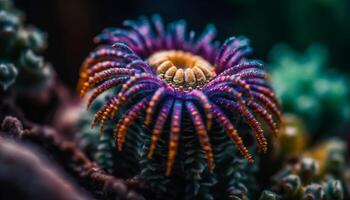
(163, 74)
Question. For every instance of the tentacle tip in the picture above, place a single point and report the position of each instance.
(211, 169)
(276, 133)
(150, 155)
(112, 116)
(209, 125)
(101, 130)
(168, 172)
(88, 105)
(211, 166)
(82, 94)
(264, 151)
(261, 150)
(250, 160)
(147, 122)
(93, 124)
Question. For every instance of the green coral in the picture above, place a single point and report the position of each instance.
(20, 47)
(8, 75)
(309, 89)
(320, 173)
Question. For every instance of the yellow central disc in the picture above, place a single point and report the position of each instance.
(182, 69)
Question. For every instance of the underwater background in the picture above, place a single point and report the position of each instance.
(303, 45)
(299, 24)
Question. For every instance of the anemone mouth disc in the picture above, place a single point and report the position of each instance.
(182, 69)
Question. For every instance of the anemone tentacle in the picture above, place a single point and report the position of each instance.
(98, 68)
(266, 116)
(140, 64)
(103, 75)
(126, 121)
(249, 118)
(269, 104)
(114, 35)
(156, 71)
(120, 99)
(240, 67)
(142, 32)
(232, 132)
(104, 87)
(174, 135)
(109, 53)
(259, 109)
(202, 133)
(267, 91)
(158, 127)
(156, 98)
(205, 103)
(231, 53)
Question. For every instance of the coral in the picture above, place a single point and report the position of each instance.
(316, 172)
(293, 137)
(168, 81)
(8, 75)
(303, 179)
(171, 72)
(21, 66)
(169, 105)
(234, 176)
(306, 88)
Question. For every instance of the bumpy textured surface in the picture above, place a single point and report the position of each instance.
(301, 171)
(20, 46)
(233, 176)
(320, 173)
(307, 88)
(171, 76)
(174, 103)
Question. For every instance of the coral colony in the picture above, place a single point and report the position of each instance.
(21, 46)
(169, 104)
(167, 75)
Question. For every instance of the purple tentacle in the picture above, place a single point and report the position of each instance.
(231, 53)
(240, 67)
(104, 87)
(174, 135)
(232, 132)
(154, 102)
(158, 127)
(202, 133)
(252, 73)
(269, 104)
(142, 32)
(112, 36)
(142, 65)
(126, 121)
(159, 27)
(178, 34)
(249, 119)
(205, 103)
(259, 82)
(203, 45)
(268, 92)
